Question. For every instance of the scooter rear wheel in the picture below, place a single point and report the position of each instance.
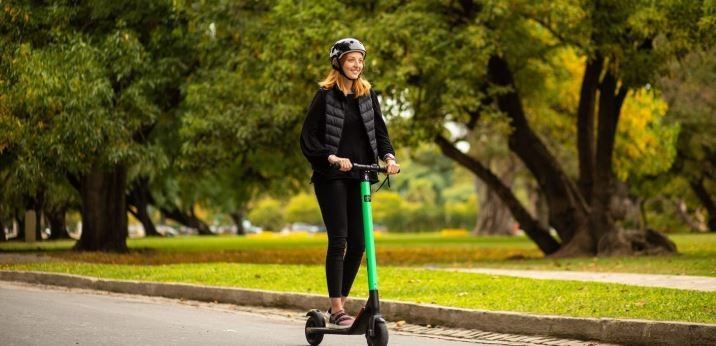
(380, 337)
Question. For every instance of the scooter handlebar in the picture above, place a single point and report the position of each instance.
(369, 168)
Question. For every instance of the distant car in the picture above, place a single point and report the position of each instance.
(223, 229)
(183, 230)
(304, 227)
(250, 228)
(167, 231)
(136, 231)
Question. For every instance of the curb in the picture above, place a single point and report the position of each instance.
(620, 331)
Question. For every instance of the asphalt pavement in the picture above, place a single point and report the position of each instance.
(42, 315)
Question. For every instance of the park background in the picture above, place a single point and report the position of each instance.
(561, 135)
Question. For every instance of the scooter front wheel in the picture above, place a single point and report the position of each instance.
(315, 319)
(380, 335)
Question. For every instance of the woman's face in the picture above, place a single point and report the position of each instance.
(353, 64)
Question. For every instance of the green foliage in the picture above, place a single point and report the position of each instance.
(690, 88)
(80, 95)
(207, 98)
(268, 213)
(461, 214)
(303, 208)
(57, 111)
(238, 132)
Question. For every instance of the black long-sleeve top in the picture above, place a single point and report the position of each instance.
(354, 144)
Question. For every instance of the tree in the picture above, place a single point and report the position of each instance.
(690, 89)
(471, 65)
(86, 83)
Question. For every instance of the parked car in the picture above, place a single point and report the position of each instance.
(250, 228)
(303, 227)
(136, 231)
(167, 231)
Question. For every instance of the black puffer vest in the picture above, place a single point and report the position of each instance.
(334, 120)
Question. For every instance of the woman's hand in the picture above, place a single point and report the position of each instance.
(343, 164)
(393, 167)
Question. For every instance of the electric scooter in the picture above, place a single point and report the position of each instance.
(369, 321)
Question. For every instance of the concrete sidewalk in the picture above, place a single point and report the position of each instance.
(609, 330)
(682, 282)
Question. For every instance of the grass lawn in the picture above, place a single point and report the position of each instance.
(464, 290)
(697, 256)
(295, 264)
(697, 252)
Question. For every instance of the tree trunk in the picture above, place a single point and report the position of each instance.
(138, 201)
(238, 217)
(20, 220)
(56, 219)
(187, 219)
(36, 203)
(706, 200)
(494, 218)
(643, 218)
(104, 210)
(39, 224)
(683, 211)
(538, 204)
(478, 191)
(539, 235)
(567, 208)
(601, 221)
(585, 125)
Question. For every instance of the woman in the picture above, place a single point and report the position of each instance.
(344, 125)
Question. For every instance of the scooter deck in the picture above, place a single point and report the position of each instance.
(334, 330)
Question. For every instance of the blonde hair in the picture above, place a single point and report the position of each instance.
(361, 86)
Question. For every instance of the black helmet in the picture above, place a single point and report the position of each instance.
(343, 47)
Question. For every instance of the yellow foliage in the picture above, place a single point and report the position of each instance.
(644, 144)
(568, 88)
(454, 232)
(200, 212)
(286, 235)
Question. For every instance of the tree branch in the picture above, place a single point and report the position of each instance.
(566, 205)
(554, 32)
(539, 235)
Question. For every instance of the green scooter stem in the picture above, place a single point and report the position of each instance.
(368, 234)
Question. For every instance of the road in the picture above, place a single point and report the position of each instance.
(42, 315)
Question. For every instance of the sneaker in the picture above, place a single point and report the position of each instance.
(341, 318)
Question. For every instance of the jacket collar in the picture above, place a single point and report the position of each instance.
(339, 93)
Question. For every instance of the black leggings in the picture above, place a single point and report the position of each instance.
(340, 203)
